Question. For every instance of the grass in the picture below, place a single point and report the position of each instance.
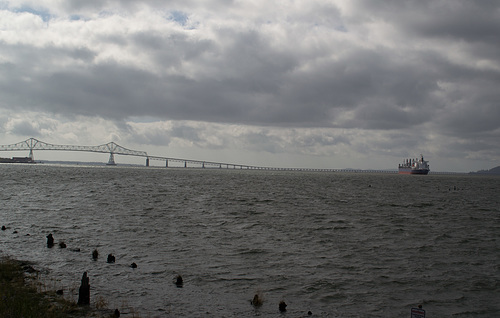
(19, 298)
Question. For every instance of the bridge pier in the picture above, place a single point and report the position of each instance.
(166, 163)
(147, 162)
(111, 161)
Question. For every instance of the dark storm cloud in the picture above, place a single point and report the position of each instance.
(252, 84)
(25, 128)
(25, 84)
(169, 51)
(471, 21)
(474, 22)
(372, 84)
(468, 102)
(116, 91)
(249, 80)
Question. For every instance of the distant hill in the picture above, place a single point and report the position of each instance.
(495, 170)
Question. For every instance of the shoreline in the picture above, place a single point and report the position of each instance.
(24, 294)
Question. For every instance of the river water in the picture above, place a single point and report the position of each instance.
(334, 244)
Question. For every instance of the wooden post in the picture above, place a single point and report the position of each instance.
(84, 292)
(50, 240)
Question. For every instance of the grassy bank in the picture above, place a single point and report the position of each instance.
(20, 297)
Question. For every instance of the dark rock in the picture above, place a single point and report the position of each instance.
(62, 245)
(116, 313)
(3, 228)
(133, 265)
(59, 292)
(95, 255)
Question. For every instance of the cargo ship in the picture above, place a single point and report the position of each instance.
(414, 166)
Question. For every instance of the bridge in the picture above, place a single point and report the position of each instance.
(114, 149)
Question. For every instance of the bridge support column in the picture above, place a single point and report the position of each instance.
(147, 162)
(111, 161)
(185, 164)
(166, 163)
(31, 154)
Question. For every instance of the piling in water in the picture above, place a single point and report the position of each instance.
(84, 291)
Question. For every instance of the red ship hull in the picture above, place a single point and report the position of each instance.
(413, 171)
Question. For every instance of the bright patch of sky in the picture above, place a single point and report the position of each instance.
(179, 17)
(42, 13)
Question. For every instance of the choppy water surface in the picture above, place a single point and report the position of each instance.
(335, 244)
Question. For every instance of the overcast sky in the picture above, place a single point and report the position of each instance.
(293, 83)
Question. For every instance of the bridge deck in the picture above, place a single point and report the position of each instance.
(114, 149)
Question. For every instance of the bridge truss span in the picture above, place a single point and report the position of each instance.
(114, 149)
(111, 147)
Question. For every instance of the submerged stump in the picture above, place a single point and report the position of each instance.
(178, 281)
(282, 306)
(257, 300)
(111, 258)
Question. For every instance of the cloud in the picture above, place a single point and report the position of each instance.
(309, 78)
